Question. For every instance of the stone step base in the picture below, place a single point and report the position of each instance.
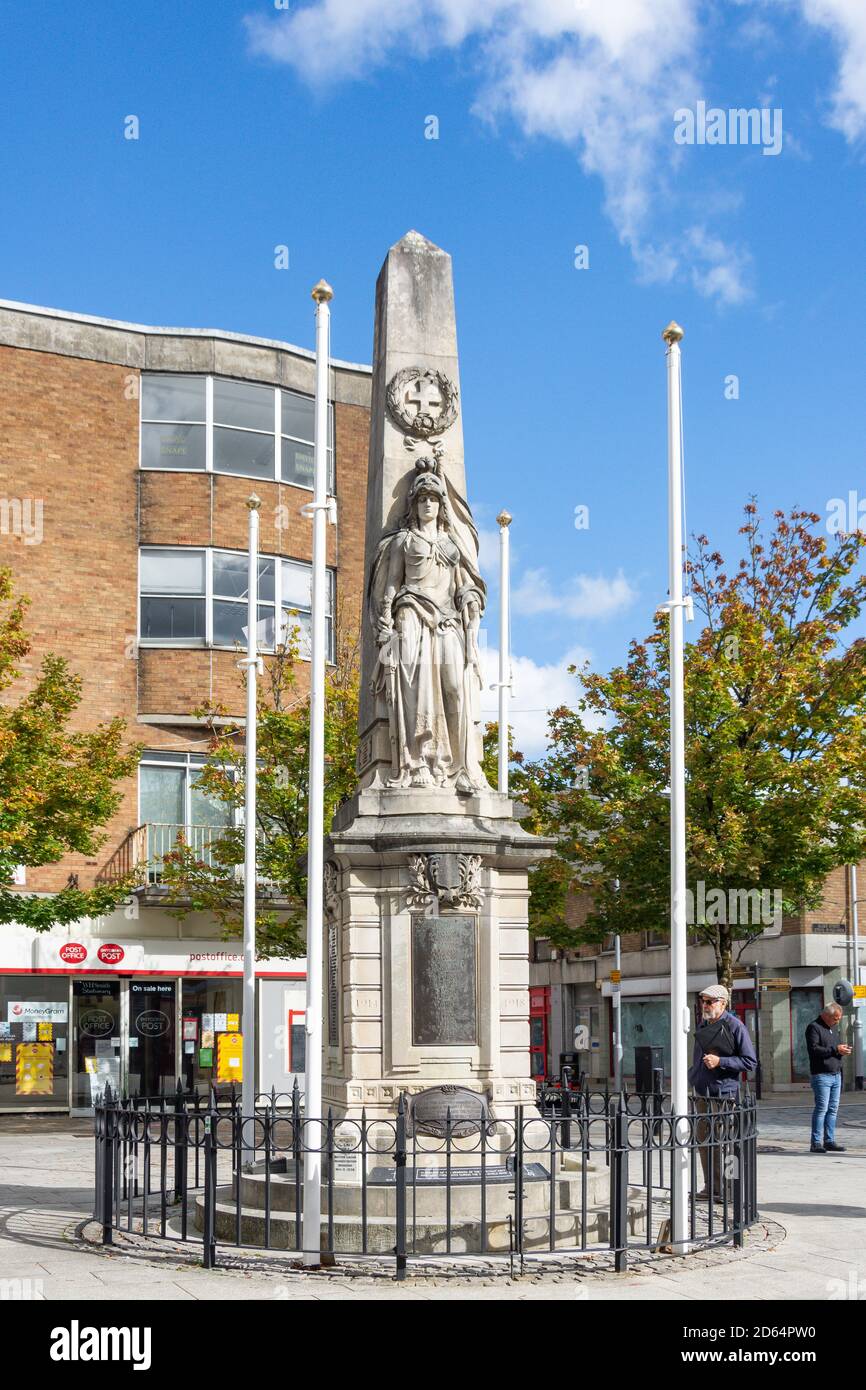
(424, 1237)
(428, 1200)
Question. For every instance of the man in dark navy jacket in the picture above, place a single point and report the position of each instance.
(826, 1050)
(715, 1077)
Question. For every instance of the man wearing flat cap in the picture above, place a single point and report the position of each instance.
(723, 1050)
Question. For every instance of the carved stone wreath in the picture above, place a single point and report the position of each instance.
(419, 894)
(426, 882)
(424, 424)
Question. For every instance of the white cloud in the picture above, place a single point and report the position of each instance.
(583, 596)
(603, 77)
(537, 690)
(845, 21)
(488, 553)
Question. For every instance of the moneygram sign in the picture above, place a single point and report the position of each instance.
(36, 1011)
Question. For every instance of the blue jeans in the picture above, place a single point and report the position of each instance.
(827, 1090)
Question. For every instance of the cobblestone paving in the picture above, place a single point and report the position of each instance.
(467, 1269)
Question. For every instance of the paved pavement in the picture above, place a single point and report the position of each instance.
(811, 1243)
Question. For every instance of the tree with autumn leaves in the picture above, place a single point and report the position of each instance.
(775, 702)
(58, 786)
(214, 883)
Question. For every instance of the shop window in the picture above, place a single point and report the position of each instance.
(34, 1042)
(210, 1009)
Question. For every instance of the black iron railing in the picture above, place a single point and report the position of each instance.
(593, 1178)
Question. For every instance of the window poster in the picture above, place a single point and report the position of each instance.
(34, 1069)
(190, 1029)
(230, 1057)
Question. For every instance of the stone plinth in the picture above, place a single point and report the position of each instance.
(427, 959)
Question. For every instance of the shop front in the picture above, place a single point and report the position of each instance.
(76, 1016)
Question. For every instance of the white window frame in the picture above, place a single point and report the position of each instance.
(210, 426)
(194, 644)
(189, 762)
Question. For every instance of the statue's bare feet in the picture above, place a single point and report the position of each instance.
(422, 777)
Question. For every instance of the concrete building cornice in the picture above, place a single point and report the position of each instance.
(37, 328)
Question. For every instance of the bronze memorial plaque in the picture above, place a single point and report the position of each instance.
(430, 1109)
(443, 980)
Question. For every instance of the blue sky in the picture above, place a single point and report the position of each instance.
(305, 126)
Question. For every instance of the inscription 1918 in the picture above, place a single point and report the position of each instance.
(443, 980)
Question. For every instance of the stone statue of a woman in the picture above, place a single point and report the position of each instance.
(426, 597)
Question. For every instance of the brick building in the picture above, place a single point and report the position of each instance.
(571, 990)
(126, 457)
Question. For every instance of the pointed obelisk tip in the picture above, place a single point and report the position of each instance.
(414, 241)
(673, 333)
(322, 292)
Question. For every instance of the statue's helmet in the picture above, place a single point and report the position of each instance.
(428, 482)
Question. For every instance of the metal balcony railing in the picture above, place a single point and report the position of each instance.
(145, 847)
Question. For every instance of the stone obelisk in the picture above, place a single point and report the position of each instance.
(426, 891)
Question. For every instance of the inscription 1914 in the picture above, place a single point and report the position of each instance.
(443, 980)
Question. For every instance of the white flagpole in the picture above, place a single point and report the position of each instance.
(504, 521)
(322, 294)
(858, 1014)
(679, 944)
(251, 662)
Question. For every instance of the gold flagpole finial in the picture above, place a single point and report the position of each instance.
(673, 333)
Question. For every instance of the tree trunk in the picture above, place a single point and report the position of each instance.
(724, 957)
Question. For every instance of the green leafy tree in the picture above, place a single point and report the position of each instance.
(775, 704)
(214, 883)
(57, 786)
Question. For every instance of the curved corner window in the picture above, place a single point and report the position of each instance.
(217, 425)
(191, 597)
(173, 422)
(172, 583)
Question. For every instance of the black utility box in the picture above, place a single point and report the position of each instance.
(646, 1061)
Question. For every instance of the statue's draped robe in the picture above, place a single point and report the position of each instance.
(429, 668)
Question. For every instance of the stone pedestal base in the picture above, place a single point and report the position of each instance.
(426, 952)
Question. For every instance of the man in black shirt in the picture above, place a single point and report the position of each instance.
(825, 1064)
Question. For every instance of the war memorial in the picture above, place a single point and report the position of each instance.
(426, 892)
(431, 1138)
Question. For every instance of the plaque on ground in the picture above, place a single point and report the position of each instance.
(443, 981)
(425, 1177)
